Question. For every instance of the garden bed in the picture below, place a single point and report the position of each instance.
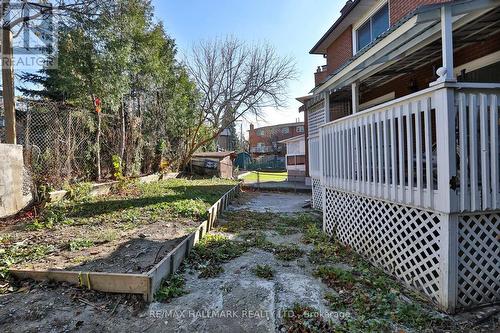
(127, 231)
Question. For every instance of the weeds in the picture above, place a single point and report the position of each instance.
(263, 271)
(287, 252)
(80, 244)
(335, 277)
(212, 251)
(79, 192)
(19, 253)
(171, 288)
(305, 319)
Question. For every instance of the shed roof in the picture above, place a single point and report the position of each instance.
(214, 154)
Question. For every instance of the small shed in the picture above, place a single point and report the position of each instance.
(219, 164)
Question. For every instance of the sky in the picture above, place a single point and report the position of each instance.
(291, 26)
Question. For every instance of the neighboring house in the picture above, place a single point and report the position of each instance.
(224, 141)
(266, 140)
(403, 146)
(296, 158)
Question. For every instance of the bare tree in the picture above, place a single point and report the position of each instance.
(239, 77)
(15, 15)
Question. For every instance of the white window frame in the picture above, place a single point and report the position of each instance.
(364, 19)
(285, 130)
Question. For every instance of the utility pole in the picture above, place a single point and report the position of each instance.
(8, 74)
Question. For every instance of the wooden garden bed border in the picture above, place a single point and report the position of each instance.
(104, 188)
(145, 284)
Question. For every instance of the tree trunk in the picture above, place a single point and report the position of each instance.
(8, 85)
(123, 137)
(98, 146)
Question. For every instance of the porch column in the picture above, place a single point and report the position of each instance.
(446, 73)
(327, 106)
(355, 97)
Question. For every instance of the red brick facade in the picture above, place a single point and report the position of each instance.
(400, 8)
(340, 51)
(270, 135)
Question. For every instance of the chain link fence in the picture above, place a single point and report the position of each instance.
(59, 140)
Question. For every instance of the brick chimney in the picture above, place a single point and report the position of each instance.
(251, 127)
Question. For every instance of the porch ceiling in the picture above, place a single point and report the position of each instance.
(416, 42)
(473, 32)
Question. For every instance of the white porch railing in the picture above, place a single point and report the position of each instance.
(437, 149)
(314, 157)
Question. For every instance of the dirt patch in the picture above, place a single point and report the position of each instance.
(134, 251)
(127, 231)
(47, 307)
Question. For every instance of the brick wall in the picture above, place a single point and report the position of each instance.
(319, 77)
(340, 109)
(340, 51)
(272, 134)
(400, 8)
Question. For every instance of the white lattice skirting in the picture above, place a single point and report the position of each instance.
(317, 194)
(405, 242)
(478, 260)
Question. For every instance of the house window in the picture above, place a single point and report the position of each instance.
(260, 132)
(300, 129)
(374, 27)
(285, 130)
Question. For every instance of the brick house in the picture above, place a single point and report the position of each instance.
(265, 141)
(403, 149)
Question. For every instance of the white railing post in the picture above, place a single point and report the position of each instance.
(448, 279)
(322, 155)
(447, 199)
(444, 105)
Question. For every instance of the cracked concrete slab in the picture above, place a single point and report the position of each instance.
(272, 202)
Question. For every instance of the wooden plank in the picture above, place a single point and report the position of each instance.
(464, 184)
(380, 146)
(361, 130)
(409, 152)
(161, 271)
(106, 282)
(373, 164)
(495, 154)
(393, 155)
(485, 154)
(358, 160)
(368, 162)
(401, 196)
(178, 254)
(386, 156)
(418, 151)
(428, 152)
(474, 204)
